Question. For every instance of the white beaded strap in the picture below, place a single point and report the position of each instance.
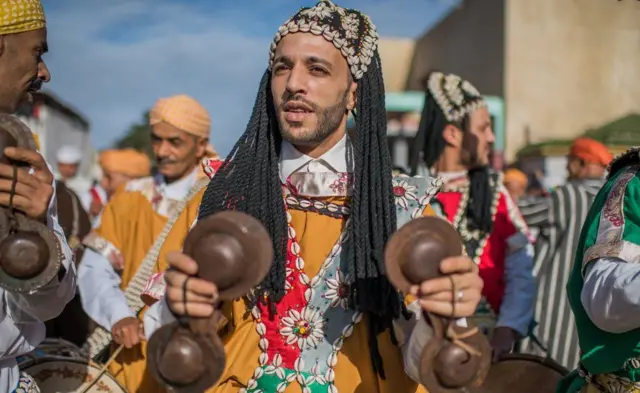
(100, 338)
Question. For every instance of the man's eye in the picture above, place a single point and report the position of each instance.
(280, 67)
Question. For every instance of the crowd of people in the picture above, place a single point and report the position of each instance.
(548, 273)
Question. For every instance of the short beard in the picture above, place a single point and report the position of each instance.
(470, 156)
(329, 120)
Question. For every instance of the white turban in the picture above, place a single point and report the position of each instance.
(69, 155)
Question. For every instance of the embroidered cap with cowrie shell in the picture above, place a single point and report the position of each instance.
(454, 95)
(351, 31)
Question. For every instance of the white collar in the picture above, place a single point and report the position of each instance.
(334, 160)
(449, 176)
(179, 188)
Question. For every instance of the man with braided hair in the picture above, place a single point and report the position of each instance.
(326, 318)
(454, 141)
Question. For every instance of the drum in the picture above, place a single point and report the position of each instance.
(50, 348)
(523, 373)
(72, 376)
(58, 366)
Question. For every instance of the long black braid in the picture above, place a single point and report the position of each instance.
(429, 147)
(249, 181)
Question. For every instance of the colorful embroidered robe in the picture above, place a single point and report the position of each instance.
(313, 344)
(491, 253)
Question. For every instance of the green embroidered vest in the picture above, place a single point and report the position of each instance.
(611, 230)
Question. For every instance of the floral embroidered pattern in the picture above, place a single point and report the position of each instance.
(338, 291)
(403, 192)
(613, 207)
(301, 341)
(297, 328)
(304, 328)
(341, 184)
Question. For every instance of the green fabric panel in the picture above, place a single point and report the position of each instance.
(603, 352)
(632, 211)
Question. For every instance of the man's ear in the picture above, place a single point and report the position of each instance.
(452, 135)
(201, 146)
(351, 96)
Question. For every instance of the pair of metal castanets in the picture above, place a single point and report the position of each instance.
(234, 251)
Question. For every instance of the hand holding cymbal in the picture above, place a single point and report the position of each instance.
(30, 255)
(231, 250)
(456, 357)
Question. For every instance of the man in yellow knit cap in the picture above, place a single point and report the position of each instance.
(129, 224)
(23, 41)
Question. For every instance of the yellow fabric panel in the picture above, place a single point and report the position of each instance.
(131, 225)
(428, 211)
(179, 231)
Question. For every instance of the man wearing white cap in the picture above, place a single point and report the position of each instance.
(68, 159)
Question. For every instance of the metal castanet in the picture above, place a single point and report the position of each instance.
(233, 250)
(30, 255)
(455, 358)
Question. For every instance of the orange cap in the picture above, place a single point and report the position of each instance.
(591, 151)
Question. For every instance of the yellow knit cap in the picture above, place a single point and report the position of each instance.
(19, 16)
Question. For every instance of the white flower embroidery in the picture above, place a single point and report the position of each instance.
(402, 191)
(306, 328)
(338, 291)
(276, 367)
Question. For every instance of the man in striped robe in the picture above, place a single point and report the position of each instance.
(559, 219)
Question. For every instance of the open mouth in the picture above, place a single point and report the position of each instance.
(296, 112)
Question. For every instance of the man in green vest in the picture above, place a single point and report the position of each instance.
(603, 288)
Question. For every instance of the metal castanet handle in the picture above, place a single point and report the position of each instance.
(30, 254)
(456, 357)
(233, 250)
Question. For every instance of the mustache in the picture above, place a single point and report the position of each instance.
(35, 84)
(312, 105)
(165, 160)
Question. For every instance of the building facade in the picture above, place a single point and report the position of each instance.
(562, 67)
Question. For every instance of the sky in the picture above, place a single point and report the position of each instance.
(111, 60)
